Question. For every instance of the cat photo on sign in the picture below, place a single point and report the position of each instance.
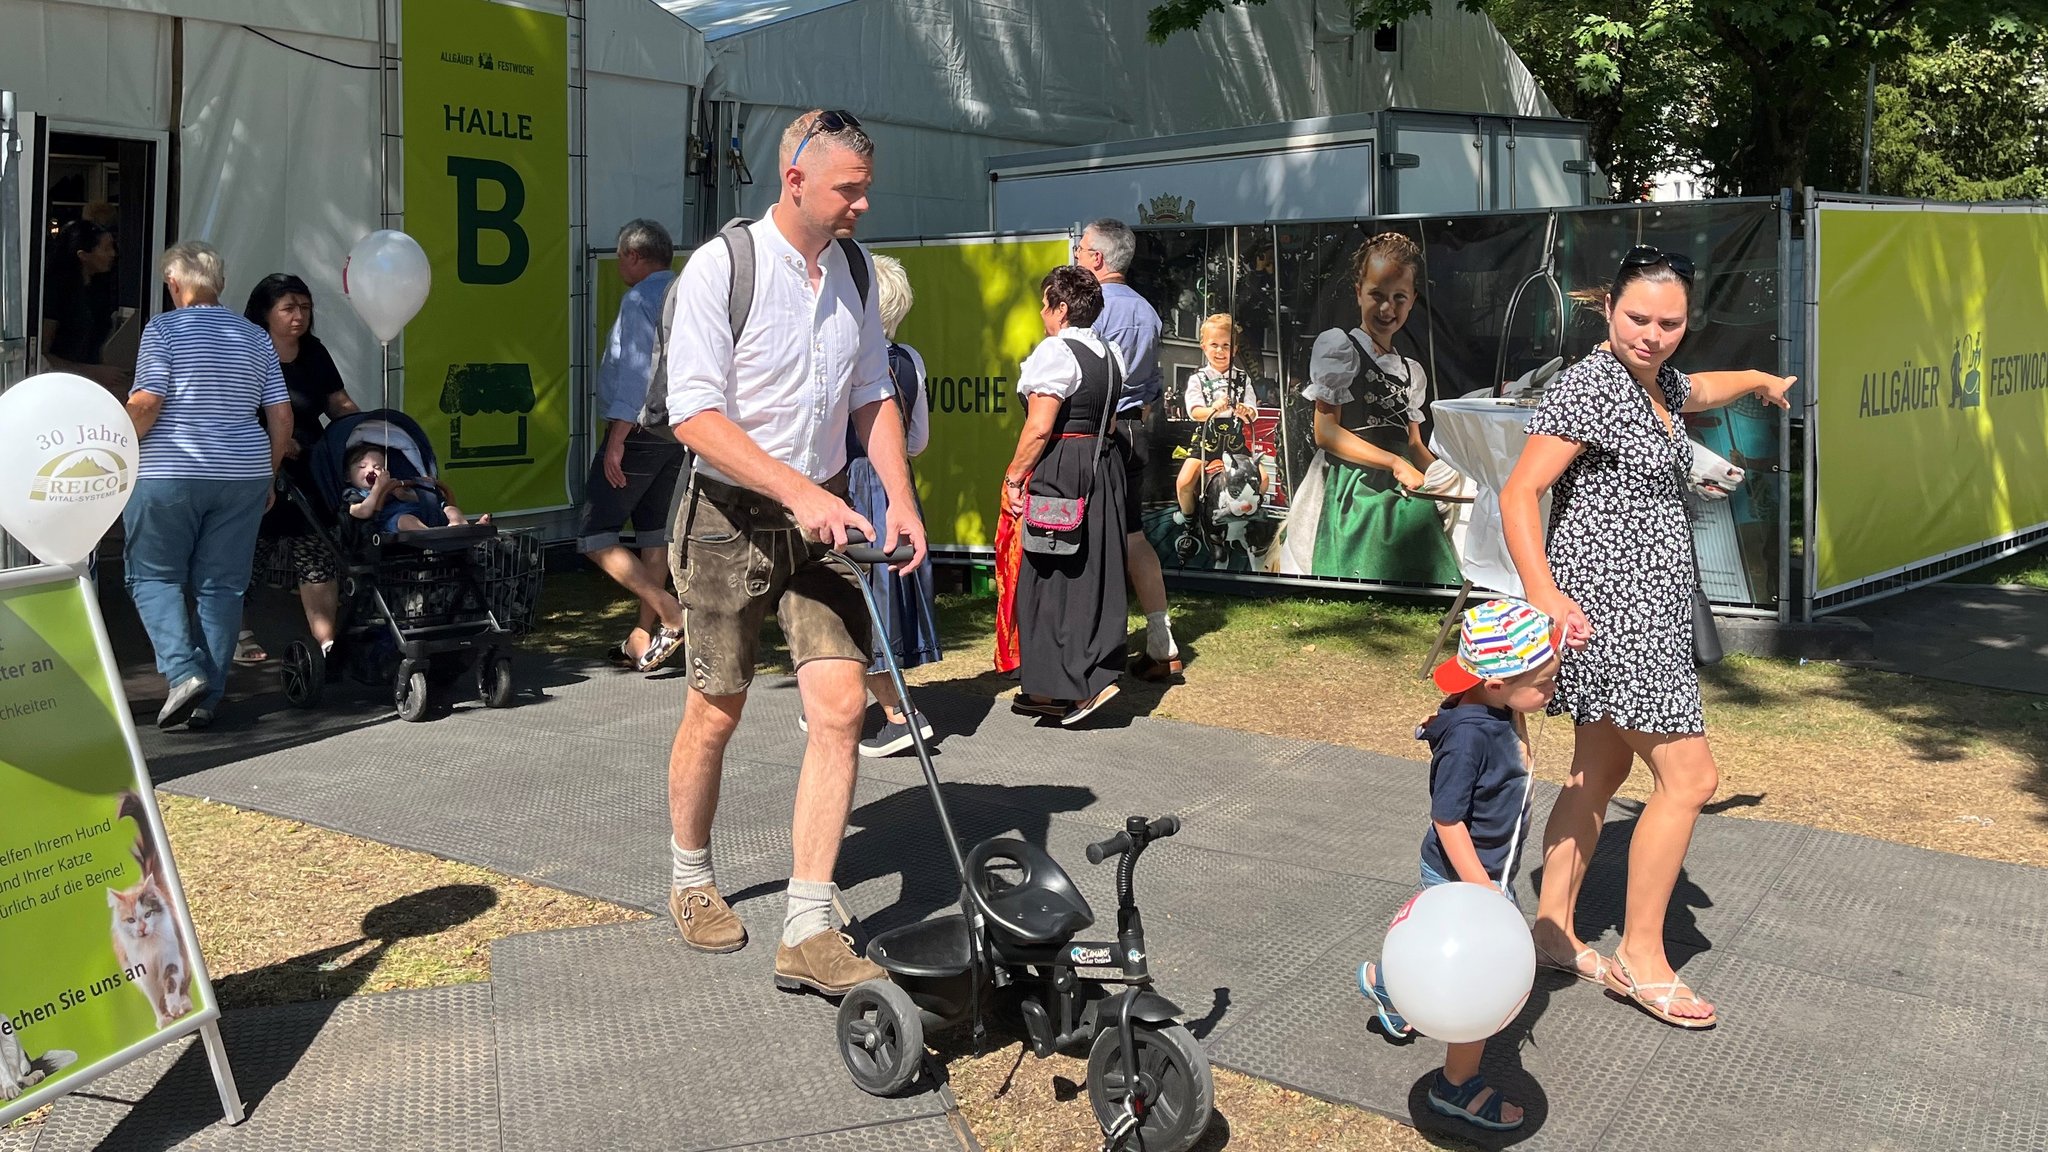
(146, 937)
(18, 1073)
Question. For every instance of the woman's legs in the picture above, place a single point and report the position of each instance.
(1601, 760)
(323, 604)
(884, 691)
(1685, 776)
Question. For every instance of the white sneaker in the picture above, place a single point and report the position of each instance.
(184, 696)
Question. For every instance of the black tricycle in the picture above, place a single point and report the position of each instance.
(1013, 944)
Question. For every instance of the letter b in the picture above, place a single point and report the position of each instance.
(471, 219)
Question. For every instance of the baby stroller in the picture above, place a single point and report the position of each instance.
(1149, 1082)
(420, 610)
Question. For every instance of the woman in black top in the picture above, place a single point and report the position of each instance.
(77, 320)
(1071, 608)
(282, 305)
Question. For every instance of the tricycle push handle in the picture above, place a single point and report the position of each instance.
(860, 551)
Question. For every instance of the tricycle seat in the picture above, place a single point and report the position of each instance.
(1037, 907)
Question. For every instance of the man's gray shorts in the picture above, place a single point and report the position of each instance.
(652, 465)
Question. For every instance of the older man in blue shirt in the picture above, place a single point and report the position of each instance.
(634, 475)
(1127, 321)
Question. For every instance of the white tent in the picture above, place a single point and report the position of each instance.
(262, 121)
(944, 84)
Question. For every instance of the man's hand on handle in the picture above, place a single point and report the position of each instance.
(825, 517)
(904, 526)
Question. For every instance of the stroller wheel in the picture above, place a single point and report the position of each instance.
(494, 679)
(881, 1037)
(1173, 1074)
(409, 693)
(304, 674)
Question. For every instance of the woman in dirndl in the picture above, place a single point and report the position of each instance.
(1071, 611)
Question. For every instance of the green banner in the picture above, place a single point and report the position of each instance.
(1932, 417)
(487, 195)
(97, 955)
(975, 319)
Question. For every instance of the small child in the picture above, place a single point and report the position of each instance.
(395, 505)
(1506, 667)
(1218, 390)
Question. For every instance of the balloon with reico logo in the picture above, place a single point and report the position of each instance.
(386, 280)
(1459, 962)
(67, 464)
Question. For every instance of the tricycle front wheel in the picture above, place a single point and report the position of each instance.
(1174, 1081)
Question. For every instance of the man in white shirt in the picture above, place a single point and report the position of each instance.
(767, 418)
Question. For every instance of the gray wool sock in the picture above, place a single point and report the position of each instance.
(689, 867)
(1159, 637)
(810, 911)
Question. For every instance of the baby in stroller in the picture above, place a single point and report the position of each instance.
(395, 505)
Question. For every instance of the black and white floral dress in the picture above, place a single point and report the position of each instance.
(1620, 546)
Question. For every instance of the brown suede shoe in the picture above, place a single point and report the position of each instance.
(825, 962)
(706, 921)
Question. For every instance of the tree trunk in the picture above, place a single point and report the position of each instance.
(1781, 130)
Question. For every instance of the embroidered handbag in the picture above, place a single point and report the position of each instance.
(1052, 524)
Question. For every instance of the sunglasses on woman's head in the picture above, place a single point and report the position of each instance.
(1644, 255)
(831, 123)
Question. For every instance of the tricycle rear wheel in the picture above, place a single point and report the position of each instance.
(881, 1037)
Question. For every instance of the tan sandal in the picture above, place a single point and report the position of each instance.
(1597, 976)
(1624, 985)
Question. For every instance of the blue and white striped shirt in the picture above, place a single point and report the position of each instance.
(215, 372)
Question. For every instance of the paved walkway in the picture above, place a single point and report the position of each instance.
(1985, 634)
(1872, 995)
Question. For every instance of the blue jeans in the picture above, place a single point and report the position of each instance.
(197, 536)
(1431, 878)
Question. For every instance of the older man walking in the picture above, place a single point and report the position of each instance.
(633, 476)
(1131, 324)
(767, 414)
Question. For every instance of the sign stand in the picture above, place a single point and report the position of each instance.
(99, 961)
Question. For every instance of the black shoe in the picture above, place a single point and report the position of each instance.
(894, 737)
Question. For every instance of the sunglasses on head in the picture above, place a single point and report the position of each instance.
(1644, 255)
(831, 123)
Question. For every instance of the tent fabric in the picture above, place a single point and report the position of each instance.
(124, 58)
(288, 148)
(944, 84)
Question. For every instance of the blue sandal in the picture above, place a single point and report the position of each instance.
(1391, 1022)
(1455, 1101)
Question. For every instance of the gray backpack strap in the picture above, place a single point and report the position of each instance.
(739, 302)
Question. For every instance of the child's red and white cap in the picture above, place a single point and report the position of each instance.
(1497, 640)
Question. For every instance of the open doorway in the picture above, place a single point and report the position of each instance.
(100, 223)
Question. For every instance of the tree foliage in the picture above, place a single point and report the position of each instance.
(1753, 93)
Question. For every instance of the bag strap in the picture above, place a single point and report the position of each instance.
(1111, 394)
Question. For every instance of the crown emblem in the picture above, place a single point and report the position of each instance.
(1166, 208)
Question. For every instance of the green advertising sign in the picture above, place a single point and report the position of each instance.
(97, 955)
(487, 196)
(975, 320)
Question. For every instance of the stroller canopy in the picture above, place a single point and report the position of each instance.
(405, 445)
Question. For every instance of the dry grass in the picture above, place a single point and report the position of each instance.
(1945, 766)
(288, 912)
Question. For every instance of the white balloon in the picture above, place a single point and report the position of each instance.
(67, 464)
(1458, 962)
(386, 279)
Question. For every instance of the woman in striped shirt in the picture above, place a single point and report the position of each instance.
(202, 376)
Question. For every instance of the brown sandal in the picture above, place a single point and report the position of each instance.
(1620, 982)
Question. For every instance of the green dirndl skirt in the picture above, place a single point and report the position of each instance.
(1372, 530)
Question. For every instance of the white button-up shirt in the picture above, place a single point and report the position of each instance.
(805, 361)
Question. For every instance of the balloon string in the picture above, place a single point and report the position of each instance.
(1507, 872)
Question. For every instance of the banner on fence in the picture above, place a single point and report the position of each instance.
(975, 319)
(98, 960)
(1932, 400)
(487, 195)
